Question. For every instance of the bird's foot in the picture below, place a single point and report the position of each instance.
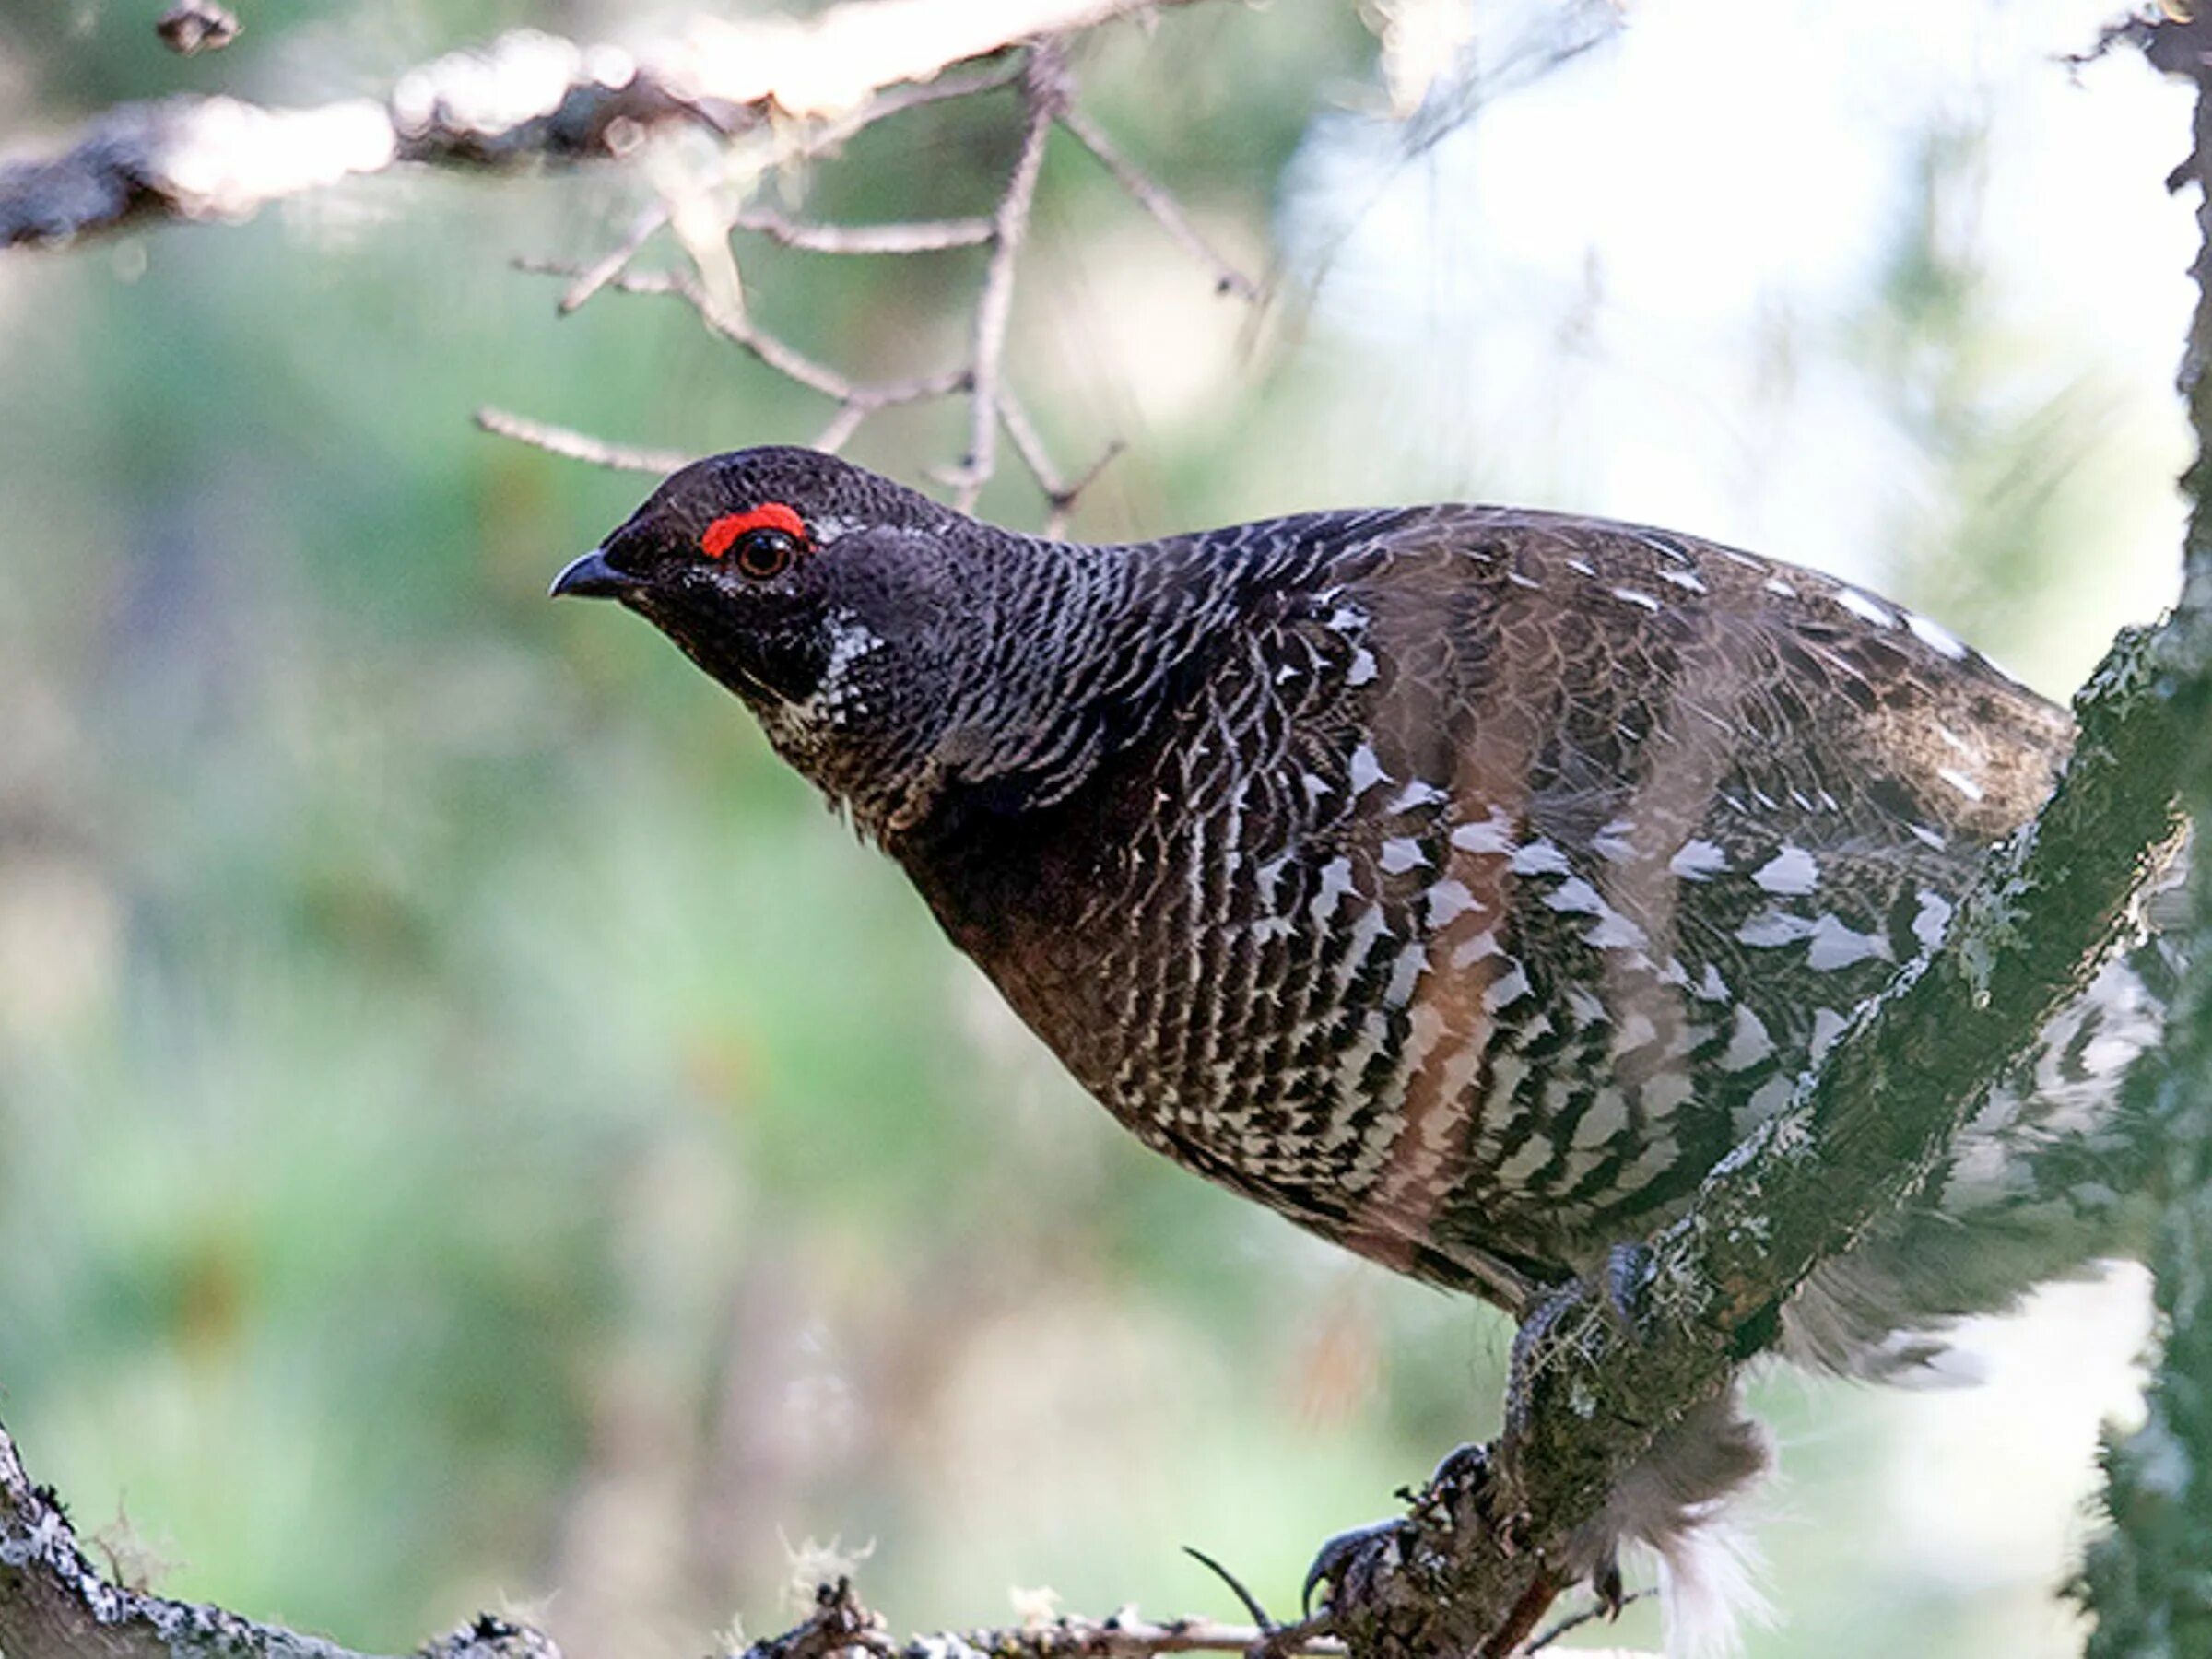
(1456, 1470)
(1348, 1563)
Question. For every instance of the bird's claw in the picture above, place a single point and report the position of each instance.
(1346, 1563)
(1457, 1467)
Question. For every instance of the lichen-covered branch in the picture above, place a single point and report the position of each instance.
(840, 1625)
(526, 98)
(2146, 1581)
(55, 1604)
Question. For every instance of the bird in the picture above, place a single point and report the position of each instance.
(1459, 882)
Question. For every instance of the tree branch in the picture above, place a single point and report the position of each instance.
(933, 237)
(840, 1624)
(578, 446)
(2146, 1582)
(1044, 95)
(710, 286)
(1161, 205)
(1060, 492)
(531, 98)
(55, 1604)
(526, 98)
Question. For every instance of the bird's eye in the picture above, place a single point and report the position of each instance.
(761, 554)
(763, 543)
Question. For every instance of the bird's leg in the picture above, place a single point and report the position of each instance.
(1464, 1484)
(1629, 1270)
(1549, 1335)
(1552, 1330)
(1669, 1496)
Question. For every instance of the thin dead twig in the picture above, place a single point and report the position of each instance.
(933, 236)
(1575, 1622)
(1060, 494)
(867, 396)
(602, 271)
(824, 239)
(1156, 201)
(785, 359)
(1044, 95)
(1045, 88)
(578, 446)
(897, 100)
(840, 1623)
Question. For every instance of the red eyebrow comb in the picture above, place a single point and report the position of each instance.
(718, 537)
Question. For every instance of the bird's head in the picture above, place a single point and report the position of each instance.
(838, 604)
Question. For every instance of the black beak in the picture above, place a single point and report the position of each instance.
(592, 577)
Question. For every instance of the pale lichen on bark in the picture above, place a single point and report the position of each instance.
(2148, 1580)
(55, 1604)
(527, 98)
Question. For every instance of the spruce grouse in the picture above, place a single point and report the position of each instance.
(1459, 882)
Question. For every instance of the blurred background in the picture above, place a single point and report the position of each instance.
(473, 1130)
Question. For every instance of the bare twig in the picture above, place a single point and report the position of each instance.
(578, 446)
(1044, 94)
(848, 420)
(785, 359)
(602, 271)
(1043, 77)
(897, 100)
(856, 400)
(1576, 1620)
(841, 1624)
(1045, 100)
(1156, 201)
(1251, 1603)
(1060, 494)
(932, 237)
(775, 353)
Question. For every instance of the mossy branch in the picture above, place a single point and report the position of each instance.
(2149, 1579)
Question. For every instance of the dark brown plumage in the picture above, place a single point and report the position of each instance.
(1459, 882)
